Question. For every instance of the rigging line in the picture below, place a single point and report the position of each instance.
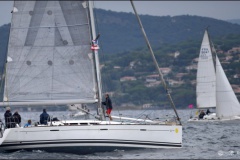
(51, 26)
(156, 63)
(141, 114)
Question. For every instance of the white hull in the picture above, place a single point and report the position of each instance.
(212, 118)
(93, 134)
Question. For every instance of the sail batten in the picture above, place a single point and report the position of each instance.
(50, 48)
(44, 102)
(50, 26)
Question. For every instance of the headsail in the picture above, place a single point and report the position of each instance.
(227, 102)
(50, 48)
(206, 77)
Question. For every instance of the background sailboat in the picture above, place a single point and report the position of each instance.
(206, 79)
(213, 88)
(206, 76)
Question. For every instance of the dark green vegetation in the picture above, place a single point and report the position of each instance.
(120, 31)
(136, 91)
(122, 42)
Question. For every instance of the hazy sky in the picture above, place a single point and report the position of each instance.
(223, 10)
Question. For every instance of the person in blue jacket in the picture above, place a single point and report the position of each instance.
(44, 117)
(28, 124)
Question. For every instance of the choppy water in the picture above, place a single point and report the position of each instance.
(218, 140)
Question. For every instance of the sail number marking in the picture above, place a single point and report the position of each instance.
(204, 52)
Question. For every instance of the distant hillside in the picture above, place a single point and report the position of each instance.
(130, 75)
(120, 31)
(234, 21)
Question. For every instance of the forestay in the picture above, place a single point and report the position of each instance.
(50, 54)
(206, 77)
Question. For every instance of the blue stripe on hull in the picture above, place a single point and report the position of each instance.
(84, 149)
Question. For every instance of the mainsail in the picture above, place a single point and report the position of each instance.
(227, 102)
(206, 77)
(50, 52)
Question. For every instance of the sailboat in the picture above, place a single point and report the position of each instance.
(213, 89)
(53, 60)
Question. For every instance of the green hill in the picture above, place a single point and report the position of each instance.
(122, 42)
(139, 65)
(120, 31)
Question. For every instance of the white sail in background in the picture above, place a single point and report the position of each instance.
(49, 46)
(227, 103)
(206, 77)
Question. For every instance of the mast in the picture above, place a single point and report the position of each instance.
(155, 62)
(96, 59)
(213, 50)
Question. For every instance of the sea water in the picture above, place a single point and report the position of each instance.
(208, 140)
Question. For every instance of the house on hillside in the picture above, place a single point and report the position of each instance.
(174, 83)
(128, 78)
(236, 76)
(195, 59)
(234, 50)
(227, 58)
(153, 84)
(147, 105)
(191, 67)
(165, 71)
(131, 65)
(152, 78)
(236, 88)
(116, 67)
(220, 52)
(176, 54)
(180, 75)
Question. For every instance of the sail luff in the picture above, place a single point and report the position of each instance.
(5, 92)
(206, 76)
(155, 62)
(227, 102)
